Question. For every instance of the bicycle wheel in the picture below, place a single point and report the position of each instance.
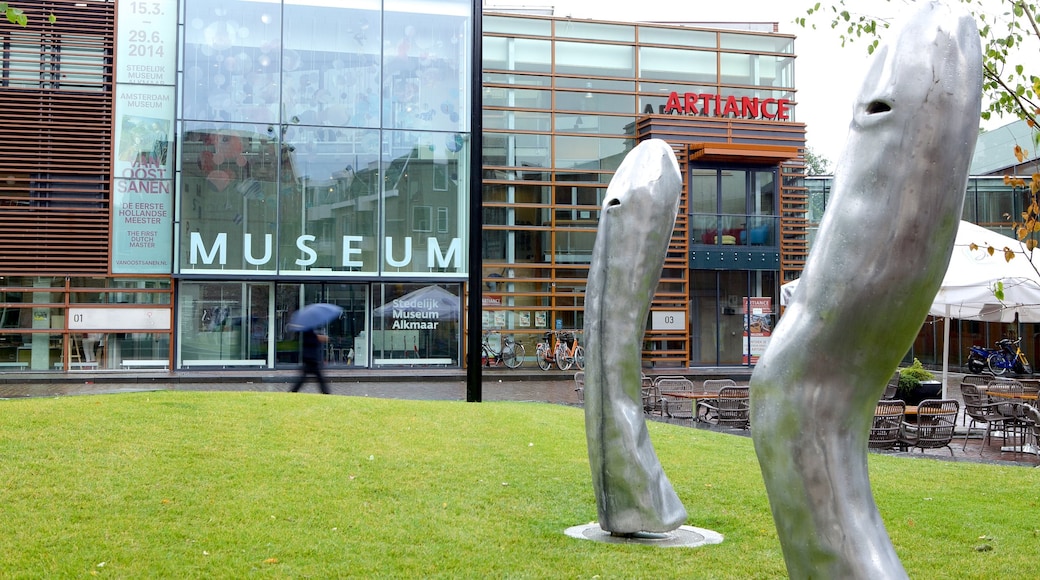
(995, 362)
(485, 356)
(514, 357)
(579, 357)
(563, 360)
(543, 362)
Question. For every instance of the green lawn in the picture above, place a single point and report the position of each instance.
(235, 484)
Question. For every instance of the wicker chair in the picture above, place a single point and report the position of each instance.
(888, 418)
(675, 407)
(710, 386)
(652, 404)
(730, 409)
(979, 411)
(933, 426)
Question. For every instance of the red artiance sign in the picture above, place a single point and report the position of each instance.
(713, 105)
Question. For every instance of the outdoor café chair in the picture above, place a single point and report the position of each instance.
(711, 386)
(979, 411)
(731, 409)
(675, 407)
(652, 403)
(888, 418)
(579, 386)
(933, 426)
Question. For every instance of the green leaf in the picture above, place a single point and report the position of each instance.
(998, 290)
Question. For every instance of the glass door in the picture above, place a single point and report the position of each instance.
(348, 344)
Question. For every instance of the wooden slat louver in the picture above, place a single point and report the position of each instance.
(56, 102)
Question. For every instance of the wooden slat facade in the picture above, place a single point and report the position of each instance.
(56, 107)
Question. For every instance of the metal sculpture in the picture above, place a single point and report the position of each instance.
(633, 495)
(874, 269)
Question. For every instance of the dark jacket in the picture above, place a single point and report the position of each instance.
(312, 346)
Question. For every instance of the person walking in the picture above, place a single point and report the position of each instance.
(312, 356)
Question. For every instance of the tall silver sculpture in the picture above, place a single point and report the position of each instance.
(633, 494)
(874, 269)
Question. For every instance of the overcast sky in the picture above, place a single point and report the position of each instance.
(827, 75)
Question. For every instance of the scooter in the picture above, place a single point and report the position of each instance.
(1007, 356)
(977, 357)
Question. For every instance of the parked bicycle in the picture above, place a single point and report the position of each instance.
(1007, 356)
(511, 355)
(561, 348)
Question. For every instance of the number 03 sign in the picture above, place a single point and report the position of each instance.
(668, 320)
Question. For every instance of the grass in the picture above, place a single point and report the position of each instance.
(230, 484)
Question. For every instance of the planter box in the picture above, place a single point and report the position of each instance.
(925, 390)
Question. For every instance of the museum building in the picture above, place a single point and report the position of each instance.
(177, 178)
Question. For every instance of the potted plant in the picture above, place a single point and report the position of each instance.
(916, 384)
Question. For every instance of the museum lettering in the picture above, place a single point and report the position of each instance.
(398, 254)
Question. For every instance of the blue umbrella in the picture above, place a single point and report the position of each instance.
(313, 316)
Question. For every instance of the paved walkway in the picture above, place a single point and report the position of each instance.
(426, 384)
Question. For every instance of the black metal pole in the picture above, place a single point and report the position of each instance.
(474, 391)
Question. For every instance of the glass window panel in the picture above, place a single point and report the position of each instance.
(331, 57)
(426, 64)
(576, 195)
(591, 152)
(584, 177)
(594, 102)
(595, 31)
(733, 198)
(753, 69)
(517, 79)
(703, 191)
(81, 62)
(684, 37)
(995, 203)
(530, 151)
(33, 281)
(232, 67)
(763, 193)
(425, 193)
(515, 194)
(214, 324)
(522, 120)
(40, 350)
(513, 25)
(519, 98)
(595, 59)
(679, 65)
(595, 84)
(574, 246)
(229, 188)
(757, 42)
(597, 124)
(415, 322)
(519, 54)
(328, 202)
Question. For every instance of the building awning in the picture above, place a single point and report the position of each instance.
(742, 153)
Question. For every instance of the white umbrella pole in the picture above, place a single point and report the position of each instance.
(946, 351)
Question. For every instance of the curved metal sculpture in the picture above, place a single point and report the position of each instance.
(633, 494)
(875, 267)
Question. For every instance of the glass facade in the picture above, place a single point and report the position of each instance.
(561, 101)
(324, 152)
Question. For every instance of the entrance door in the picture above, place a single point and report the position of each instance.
(348, 335)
